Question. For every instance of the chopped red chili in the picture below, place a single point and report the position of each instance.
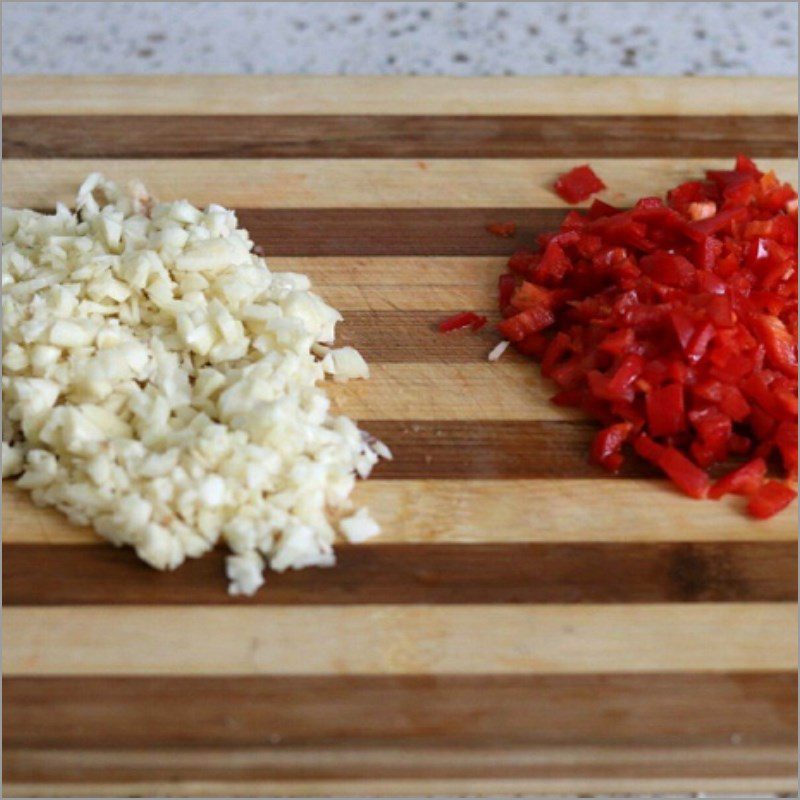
(503, 230)
(745, 480)
(465, 319)
(673, 323)
(608, 443)
(578, 184)
(772, 497)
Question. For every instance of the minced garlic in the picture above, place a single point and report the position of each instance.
(161, 384)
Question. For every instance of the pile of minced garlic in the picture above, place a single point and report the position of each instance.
(161, 384)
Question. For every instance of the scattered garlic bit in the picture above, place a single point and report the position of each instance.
(498, 350)
(359, 527)
(160, 384)
(381, 450)
(348, 364)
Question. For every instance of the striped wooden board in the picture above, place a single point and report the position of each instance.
(526, 623)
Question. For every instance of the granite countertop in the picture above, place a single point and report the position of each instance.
(675, 38)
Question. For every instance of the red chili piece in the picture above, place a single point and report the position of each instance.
(466, 319)
(503, 230)
(674, 324)
(771, 498)
(745, 480)
(608, 443)
(578, 184)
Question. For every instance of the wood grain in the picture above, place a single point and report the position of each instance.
(692, 771)
(492, 511)
(357, 183)
(358, 232)
(441, 299)
(537, 711)
(409, 391)
(399, 640)
(391, 95)
(392, 771)
(526, 623)
(416, 275)
(373, 136)
(397, 283)
(502, 450)
(419, 237)
(395, 336)
(97, 574)
(530, 449)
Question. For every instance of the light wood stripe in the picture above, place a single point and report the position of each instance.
(370, 136)
(385, 283)
(36, 575)
(516, 718)
(404, 788)
(414, 274)
(551, 763)
(497, 391)
(558, 510)
(477, 511)
(400, 640)
(302, 787)
(395, 336)
(437, 298)
(218, 94)
(356, 183)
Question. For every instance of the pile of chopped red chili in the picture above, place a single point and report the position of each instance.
(674, 323)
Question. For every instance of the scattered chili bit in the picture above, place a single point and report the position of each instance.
(503, 230)
(745, 480)
(465, 319)
(772, 497)
(578, 184)
(673, 323)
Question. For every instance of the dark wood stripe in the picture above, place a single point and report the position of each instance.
(684, 709)
(392, 231)
(499, 449)
(233, 136)
(37, 575)
(493, 449)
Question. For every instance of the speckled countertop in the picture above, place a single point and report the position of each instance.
(667, 38)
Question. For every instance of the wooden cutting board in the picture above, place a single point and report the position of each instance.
(526, 623)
